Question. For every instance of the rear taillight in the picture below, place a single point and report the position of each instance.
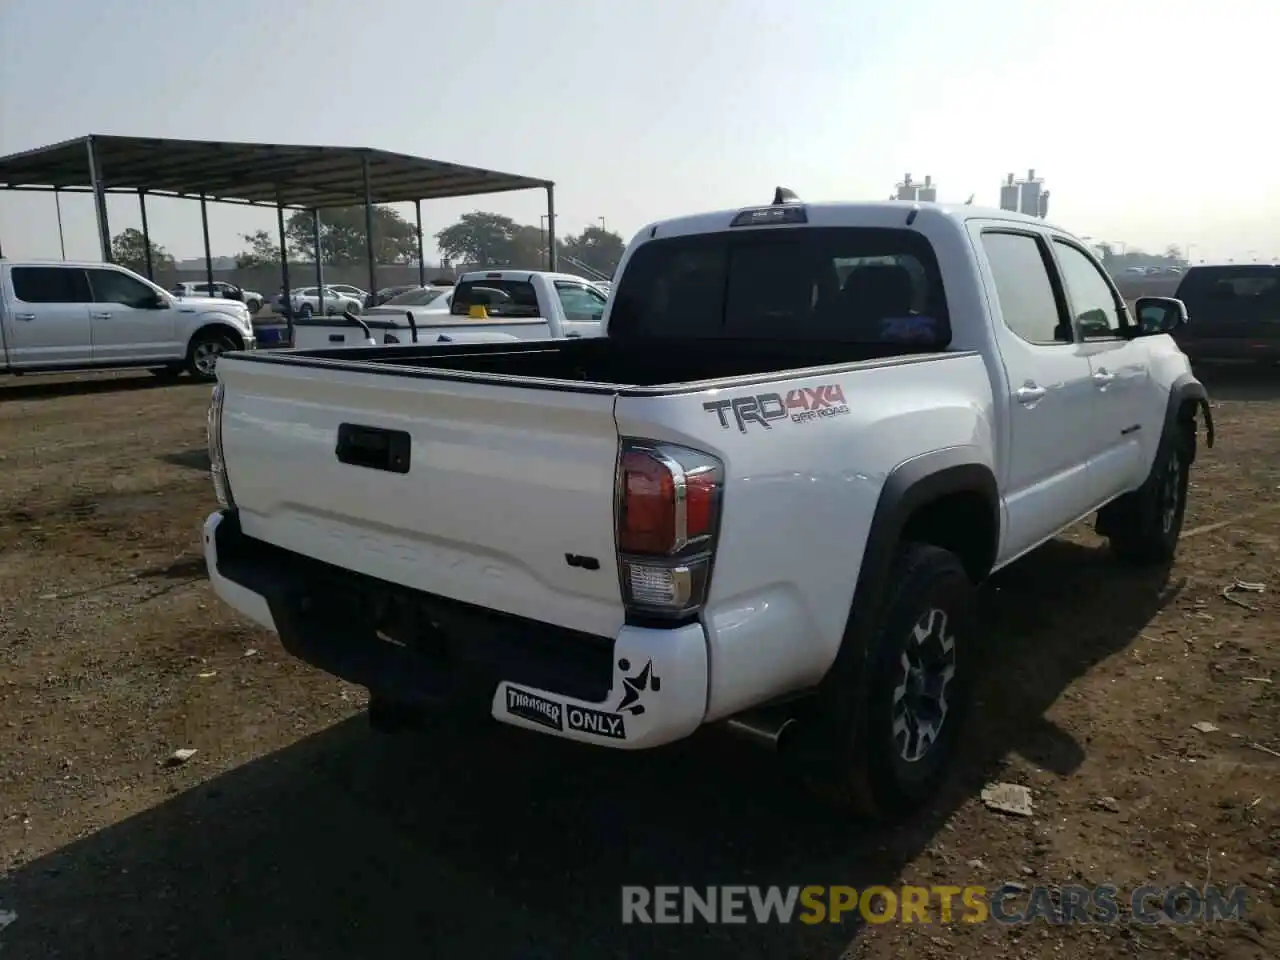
(668, 513)
(217, 464)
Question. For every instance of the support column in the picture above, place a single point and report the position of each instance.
(99, 199)
(208, 255)
(368, 225)
(315, 227)
(146, 235)
(62, 240)
(551, 227)
(422, 264)
(284, 269)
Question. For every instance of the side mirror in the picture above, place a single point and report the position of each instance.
(159, 303)
(1159, 315)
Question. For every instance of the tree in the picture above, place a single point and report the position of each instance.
(262, 251)
(598, 248)
(492, 240)
(129, 249)
(483, 239)
(342, 236)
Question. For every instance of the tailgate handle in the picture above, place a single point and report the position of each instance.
(373, 447)
(337, 338)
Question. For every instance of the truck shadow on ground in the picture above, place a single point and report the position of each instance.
(48, 386)
(196, 459)
(494, 843)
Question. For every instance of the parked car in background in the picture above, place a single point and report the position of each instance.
(347, 290)
(1233, 312)
(423, 302)
(386, 293)
(63, 315)
(305, 301)
(222, 290)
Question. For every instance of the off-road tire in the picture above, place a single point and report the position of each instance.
(1143, 526)
(846, 746)
(203, 347)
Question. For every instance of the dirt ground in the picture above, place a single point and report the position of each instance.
(295, 832)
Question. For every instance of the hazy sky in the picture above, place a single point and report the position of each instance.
(1151, 121)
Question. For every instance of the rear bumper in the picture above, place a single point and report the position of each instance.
(642, 688)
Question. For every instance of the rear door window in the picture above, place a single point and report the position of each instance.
(500, 298)
(51, 285)
(842, 284)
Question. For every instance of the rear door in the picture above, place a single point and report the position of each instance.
(498, 486)
(48, 319)
(129, 323)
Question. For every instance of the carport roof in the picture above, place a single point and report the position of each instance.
(267, 173)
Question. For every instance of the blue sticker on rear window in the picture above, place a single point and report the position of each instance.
(909, 328)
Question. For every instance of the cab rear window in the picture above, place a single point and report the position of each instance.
(855, 284)
(500, 298)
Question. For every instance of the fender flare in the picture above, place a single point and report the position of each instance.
(1184, 388)
(912, 484)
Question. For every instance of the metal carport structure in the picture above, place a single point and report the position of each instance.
(284, 176)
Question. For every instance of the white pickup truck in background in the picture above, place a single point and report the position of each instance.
(492, 305)
(63, 315)
(742, 496)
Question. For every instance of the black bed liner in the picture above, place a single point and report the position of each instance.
(605, 365)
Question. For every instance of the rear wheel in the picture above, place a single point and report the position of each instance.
(887, 752)
(202, 355)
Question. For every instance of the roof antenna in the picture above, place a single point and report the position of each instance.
(783, 195)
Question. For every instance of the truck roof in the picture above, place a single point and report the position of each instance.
(507, 273)
(884, 213)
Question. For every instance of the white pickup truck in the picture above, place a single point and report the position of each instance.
(493, 305)
(62, 315)
(741, 496)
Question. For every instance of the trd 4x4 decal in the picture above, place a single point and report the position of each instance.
(801, 405)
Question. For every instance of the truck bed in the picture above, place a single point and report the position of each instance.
(594, 364)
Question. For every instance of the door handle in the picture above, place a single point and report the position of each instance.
(1030, 394)
(24, 316)
(1102, 377)
(101, 316)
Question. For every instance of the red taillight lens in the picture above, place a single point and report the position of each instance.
(647, 512)
(701, 503)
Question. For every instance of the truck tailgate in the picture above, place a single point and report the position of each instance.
(504, 485)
